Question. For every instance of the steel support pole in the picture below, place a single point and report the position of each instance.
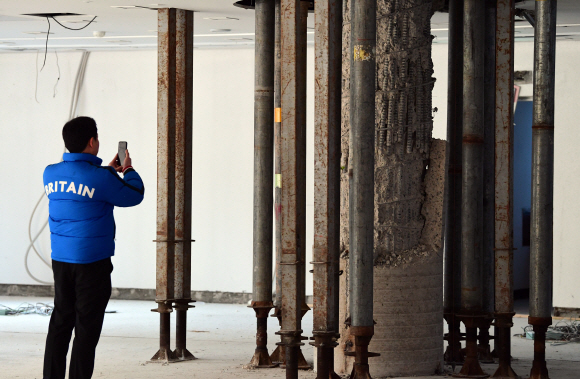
(452, 294)
(164, 293)
(472, 313)
(504, 168)
(541, 253)
(277, 171)
(263, 167)
(293, 183)
(183, 180)
(488, 183)
(327, 118)
(362, 121)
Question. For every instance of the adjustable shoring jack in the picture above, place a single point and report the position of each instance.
(325, 342)
(503, 323)
(261, 358)
(539, 368)
(164, 354)
(362, 338)
(484, 338)
(279, 354)
(453, 354)
(181, 306)
(471, 367)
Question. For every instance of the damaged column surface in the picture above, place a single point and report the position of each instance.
(293, 183)
(361, 214)
(183, 180)
(541, 253)
(472, 311)
(504, 165)
(263, 167)
(164, 293)
(452, 294)
(328, 53)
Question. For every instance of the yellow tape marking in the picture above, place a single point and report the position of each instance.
(361, 53)
(278, 179)
(278, 115)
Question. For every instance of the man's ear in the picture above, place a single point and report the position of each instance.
(91, 142)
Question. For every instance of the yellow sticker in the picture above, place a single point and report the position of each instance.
(362, 53)
(278, 179)
(278, 115)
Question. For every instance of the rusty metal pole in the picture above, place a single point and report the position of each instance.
(541, 253)
(472, 184)
(488, 183)
(452, 299)
(504, 158)
(362, 121)
(263, 167)
(293, 183)
(183, 180)
(328, 74)
(278, 354)
(164, 293)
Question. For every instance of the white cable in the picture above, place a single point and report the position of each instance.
(79, 79)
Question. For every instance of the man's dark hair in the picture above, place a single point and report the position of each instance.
(78, 132)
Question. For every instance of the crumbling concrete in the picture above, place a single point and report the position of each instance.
(409, 197)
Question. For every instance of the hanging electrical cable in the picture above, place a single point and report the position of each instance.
(79, 79)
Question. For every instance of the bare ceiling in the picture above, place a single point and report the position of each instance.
(135, 27)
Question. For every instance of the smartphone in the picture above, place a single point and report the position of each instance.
(122, 149)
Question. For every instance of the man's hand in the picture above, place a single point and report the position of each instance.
(114, 164)
(127, 161)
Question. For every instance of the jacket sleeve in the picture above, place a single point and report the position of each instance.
(127, 191)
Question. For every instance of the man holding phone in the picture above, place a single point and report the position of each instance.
(82, 195)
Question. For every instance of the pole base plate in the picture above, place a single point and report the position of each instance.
(183, 355)
(360, 372)
(164, 356)
(261, 359)
(505, 372)
(471, 369)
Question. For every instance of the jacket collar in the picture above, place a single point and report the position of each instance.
(71, 157)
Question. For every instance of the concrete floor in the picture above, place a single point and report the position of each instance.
(220, 335)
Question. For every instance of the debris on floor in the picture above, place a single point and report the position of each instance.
(27, 309)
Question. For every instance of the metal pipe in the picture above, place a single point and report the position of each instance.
(183, 173)
(263, 150)
(263, 166)
(362, 121)
(452, 294)
(327, 113)
(277, 154)
(293, 180)
(541, 253)
(488, 182)
(165, 249)
(472, 183)
(504, 168)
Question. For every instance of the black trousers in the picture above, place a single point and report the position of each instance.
(82, 292)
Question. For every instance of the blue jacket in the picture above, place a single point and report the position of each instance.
(82, 195)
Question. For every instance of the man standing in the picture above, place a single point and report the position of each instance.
(82, 195)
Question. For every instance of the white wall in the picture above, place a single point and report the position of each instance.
(120, 93)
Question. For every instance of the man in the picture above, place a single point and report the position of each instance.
(82, 195)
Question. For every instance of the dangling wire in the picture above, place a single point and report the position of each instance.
(46, 46)
(36, 85)
(66, 27)
(57, 79)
